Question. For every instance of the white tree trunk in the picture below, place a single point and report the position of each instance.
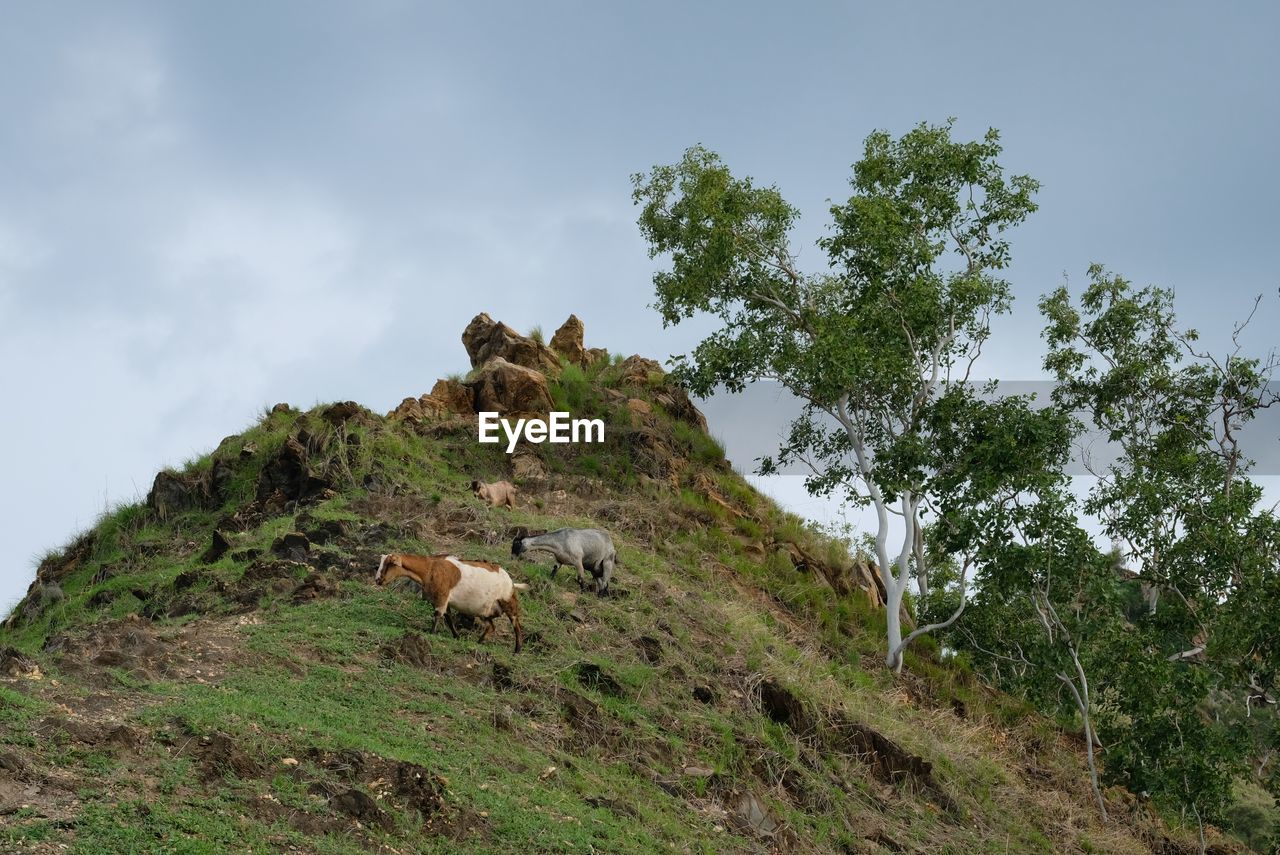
(893, 618)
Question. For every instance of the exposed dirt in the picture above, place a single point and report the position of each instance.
(220, 755)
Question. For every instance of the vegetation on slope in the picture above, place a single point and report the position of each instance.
(214, 671)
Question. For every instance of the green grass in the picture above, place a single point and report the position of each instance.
(563, 760)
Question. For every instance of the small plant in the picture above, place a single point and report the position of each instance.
(536, 335)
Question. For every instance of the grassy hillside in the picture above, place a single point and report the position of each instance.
(213, 670)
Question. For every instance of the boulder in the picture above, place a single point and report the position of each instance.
(418, 409)
(173, 493)
(345, 411)
(568, 341)
(486, 339)
(456, 397)
(293, 545)
(287, 472)
(636, 370)
(218, 547)
(504, 387)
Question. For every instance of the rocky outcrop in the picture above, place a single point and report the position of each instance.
(507, 388)
(568, 341)
(486, 339)
(418, 409)
(675, 400)
(287, 473)
(346, 411)
(173, 492)
(636, 370)
(455, 395)
(447, 397)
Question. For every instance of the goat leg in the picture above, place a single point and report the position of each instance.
(448, 618)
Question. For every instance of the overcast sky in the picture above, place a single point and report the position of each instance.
(209, 208)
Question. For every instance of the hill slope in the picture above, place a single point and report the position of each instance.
(213, 670)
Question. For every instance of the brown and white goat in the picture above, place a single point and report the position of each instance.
(497, 494)
(475, 588)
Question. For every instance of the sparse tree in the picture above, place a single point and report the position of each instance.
(879, 345)
(1177, 497)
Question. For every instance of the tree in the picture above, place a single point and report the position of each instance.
(1178, 500)
(1045, 598)
(879, 345)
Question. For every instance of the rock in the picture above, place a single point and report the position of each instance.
(675, 400)
(358, 805)
(172, 493)
(652, 454)
(220, 477)
(698, 771)
(324, 531)
(418, 409)
(636, 370)
(751, 814)
(217, 548)
(314, 587)
(639, 407)
(525, 465)
(281, 408)
(456, 396)
(511, 389)
(293, 545)
(867, 574)
(568, 341)
(486, 339)
(187, 579)
(15, 663)
(288, 474)
(592, 355)
(344, 411)
(704, 695)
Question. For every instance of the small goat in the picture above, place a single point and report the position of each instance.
(580, 548)
(475, 588)
(496, 494)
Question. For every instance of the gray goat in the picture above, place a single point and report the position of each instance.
(580, 548)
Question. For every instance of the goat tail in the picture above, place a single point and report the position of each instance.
(520, 586)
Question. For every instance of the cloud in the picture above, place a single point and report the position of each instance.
(21, 252)
(113, 93)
